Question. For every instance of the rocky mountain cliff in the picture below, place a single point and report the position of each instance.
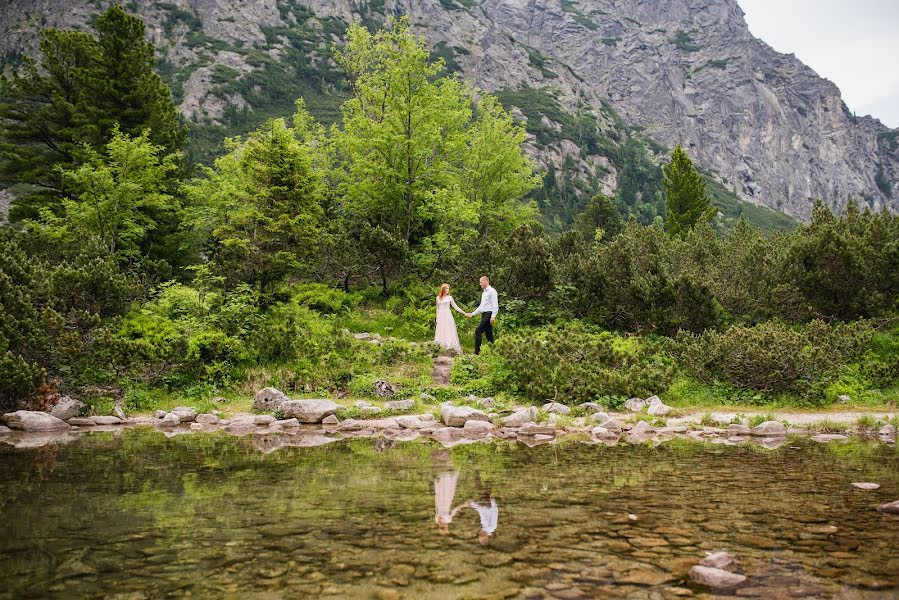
(606, 87)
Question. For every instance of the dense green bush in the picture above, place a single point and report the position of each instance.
(572, 364)
(773, 357)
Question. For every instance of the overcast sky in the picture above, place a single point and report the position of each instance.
(854, 43)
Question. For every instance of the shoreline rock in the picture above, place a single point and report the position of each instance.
(33, 420)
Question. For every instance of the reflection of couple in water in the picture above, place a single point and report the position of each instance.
(445, 490)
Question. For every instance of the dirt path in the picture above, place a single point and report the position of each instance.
(440, 374)
(794, 418)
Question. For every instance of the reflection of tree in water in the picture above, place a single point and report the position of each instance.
(349, 512)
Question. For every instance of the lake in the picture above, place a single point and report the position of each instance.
(135, 514)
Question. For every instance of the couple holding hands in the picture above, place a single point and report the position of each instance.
(446, 334)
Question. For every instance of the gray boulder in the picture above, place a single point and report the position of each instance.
(308, 411)
(657, 408)
(33, 420)
(457, 416)
(263, 420)
(410, 422)
(206, 419)
(890, 507)
(591, 407)
(887, 430)
(331, 420)
(67, 408)
(535, 429)
(635, 404)
(866, 485)
(601, 433)
(556, 408)
(269, 399)
(642, 428)
(4, 430)
(185, 413)
(106, 420)
(160, 414)
(599, 417)
(769, 429)
(715, 578)
(169, 421)
(519, 417)
(735, 429)
(477, 428)
(405, 405)
(81, 422)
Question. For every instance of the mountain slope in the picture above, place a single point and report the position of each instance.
(606, 86)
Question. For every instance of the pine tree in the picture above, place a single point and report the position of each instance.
(55, 113)
(685, 194)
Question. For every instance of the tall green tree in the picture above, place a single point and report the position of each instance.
(422, 165)
(84, 85)
(260, 209)
(685, 195)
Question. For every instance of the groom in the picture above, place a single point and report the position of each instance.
(488, 309)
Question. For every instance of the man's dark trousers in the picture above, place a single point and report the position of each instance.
(485, 327)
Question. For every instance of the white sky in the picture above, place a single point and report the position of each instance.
(853, 43)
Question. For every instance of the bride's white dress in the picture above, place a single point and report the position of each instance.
(446, 334)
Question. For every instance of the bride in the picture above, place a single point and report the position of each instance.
(446, 334)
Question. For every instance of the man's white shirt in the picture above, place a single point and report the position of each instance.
(489, 302)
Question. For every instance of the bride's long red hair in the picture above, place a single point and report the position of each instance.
(444, 290)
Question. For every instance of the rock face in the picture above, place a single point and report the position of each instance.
(32, 420)
(457, 416)
(768, 126)
(67, 408)
(308, 411)
(269, 399)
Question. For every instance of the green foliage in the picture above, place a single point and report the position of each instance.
(571, 365)
(685, 196)
(85, 86)
(261, 206)
(684, 42)
(772, 357)
(419, 171)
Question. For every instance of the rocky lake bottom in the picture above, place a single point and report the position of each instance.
(135, 514)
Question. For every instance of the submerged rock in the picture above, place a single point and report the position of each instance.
(457, 416)
(269, 399)
(769, 429)
(33, 420)
(890, 507)
(715, 578)
(718, 560)
(864, 485)
(308, 411)
(67, 408)
(829, 437)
